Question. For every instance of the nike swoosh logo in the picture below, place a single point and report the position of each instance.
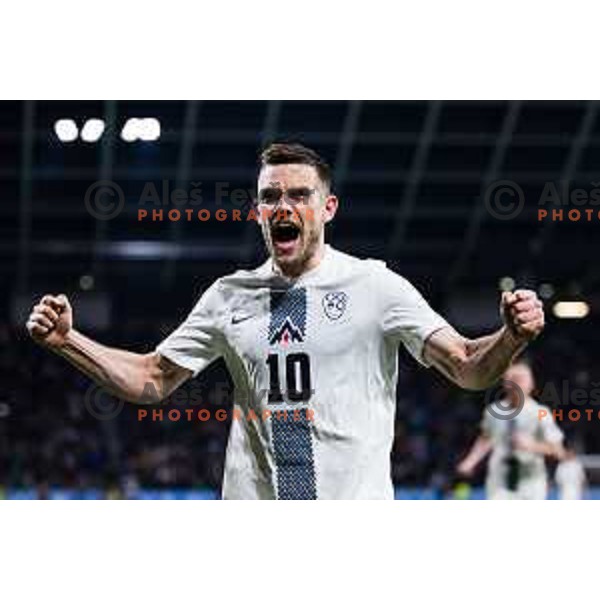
(236, 320)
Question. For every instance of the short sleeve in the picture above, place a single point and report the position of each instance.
(550, 430)
(199, 339)
(406, 315)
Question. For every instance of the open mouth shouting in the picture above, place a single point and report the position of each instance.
(286, 236)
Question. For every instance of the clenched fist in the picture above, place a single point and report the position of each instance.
(523, 313)
(50, 321)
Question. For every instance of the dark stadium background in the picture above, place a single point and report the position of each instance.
(412, 178)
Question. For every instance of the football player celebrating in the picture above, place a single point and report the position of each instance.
(311, 328)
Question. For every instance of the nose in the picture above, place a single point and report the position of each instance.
(282, 207)
(285, 201)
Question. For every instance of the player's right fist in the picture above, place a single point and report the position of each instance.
(50, 321)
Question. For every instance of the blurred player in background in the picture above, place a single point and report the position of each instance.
(570, 477)
(518, 443)
(310, 328)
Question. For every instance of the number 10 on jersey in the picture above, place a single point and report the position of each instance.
(296, 377)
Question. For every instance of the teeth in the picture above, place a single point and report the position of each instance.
(285, 224)
(285, 227)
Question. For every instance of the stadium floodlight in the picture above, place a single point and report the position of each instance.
(147, 130)
(92, 130)
(546, 291)
(86, 282)
(506, 284)
(129, 133)
(571, 309)
(66, 130)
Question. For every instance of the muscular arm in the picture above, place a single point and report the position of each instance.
(137, 378)
(477, 364)
(472, 364)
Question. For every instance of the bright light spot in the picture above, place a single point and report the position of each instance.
(66, 130)
(92, 130)
(546, 291)
(506, 284)
(145, 250)
(129, 132)
(147, 130)
(571, 310)
(86, 282)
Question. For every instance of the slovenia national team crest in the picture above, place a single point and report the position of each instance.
(334, 304)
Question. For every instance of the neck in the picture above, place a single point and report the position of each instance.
(294, 271)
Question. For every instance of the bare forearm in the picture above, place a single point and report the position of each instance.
(472, 364)
(125, 374)
(488, 357)
(552, 449)
(478, 364)
(138, 378)
(546, 448)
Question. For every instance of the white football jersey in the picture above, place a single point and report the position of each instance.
(529, 422)
(327, 342)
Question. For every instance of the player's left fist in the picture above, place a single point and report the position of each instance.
(523, 313)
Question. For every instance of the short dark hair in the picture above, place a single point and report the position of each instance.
(282, 153)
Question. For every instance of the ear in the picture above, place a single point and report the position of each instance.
(330, 207)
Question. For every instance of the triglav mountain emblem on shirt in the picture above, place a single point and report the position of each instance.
(286, 333)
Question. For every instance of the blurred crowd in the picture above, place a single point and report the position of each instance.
(50, 438)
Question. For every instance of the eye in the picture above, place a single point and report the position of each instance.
(299, 194)
(269, 196)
